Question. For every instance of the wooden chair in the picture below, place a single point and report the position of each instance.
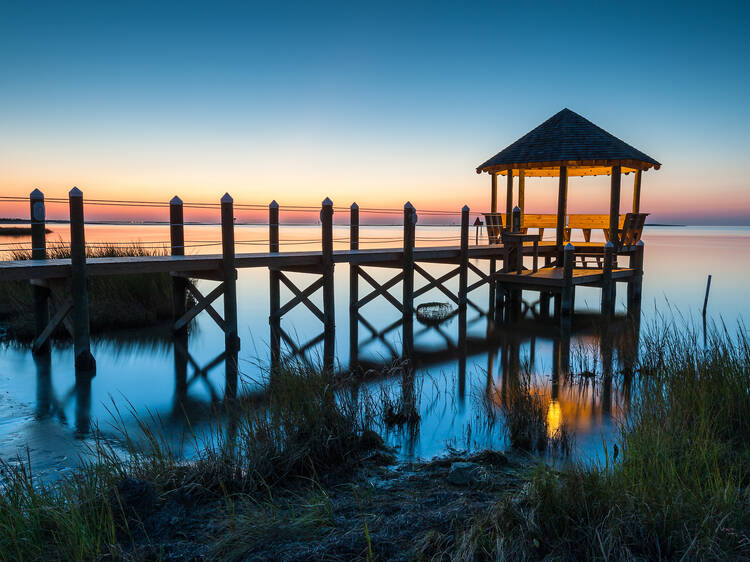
(494, 224)
(632, 229)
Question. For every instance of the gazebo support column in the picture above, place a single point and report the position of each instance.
(493, 206)
(614, 206)
(509, 200)
(521, 192)
(637, 192)
(562, 206)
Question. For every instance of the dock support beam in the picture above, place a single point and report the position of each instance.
(274, 280)
(635, 284)
(329, 318)
(410, 220)
(562, 206)
(509, 199)
(84, 360)
(568, 290)
(353, 288)
(177, 247)
(37, 216)
(231, 336)
(463, 278)
(614, 205)
(608, 284)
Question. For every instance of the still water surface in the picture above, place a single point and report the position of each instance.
(42, 407)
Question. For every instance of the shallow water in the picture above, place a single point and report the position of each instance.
(42, 407)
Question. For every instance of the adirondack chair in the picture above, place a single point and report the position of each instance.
(631, 231)
(494, 224)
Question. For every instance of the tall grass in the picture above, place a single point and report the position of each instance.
(679, 487)
(306, 428)
(118, 301)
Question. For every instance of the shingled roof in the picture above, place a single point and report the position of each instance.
(567, 139)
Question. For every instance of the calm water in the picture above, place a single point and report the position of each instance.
(42, 407)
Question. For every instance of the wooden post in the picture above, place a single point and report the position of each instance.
(37, 216)
(637, 192)
(177, 248)
(410, 220)
(562, 206)
(329, 318)
(608, 285)
(493, 205)
(231, 336)
(463, 277)
(544, 304)
(509, 199)
(84, 361)
(614, 205)
(274, 281)
(353, 288)
(636, 283)
(522, 192)
(566, 305)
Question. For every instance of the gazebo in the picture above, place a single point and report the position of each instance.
(563, 146)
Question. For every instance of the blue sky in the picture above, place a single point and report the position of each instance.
(376, 102)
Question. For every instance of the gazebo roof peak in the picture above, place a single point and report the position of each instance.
(568, 139)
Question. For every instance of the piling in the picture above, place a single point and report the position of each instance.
(410, 220)
(329, 319)
(636, 283)
(566, 301)
(229, 271)
(274, 286)
(37, 216)
(84, 361)
(177, 248)
(608, 284)
(353, 287)
(463, 277)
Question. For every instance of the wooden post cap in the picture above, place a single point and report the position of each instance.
(465, 209)
(75, 192)
(273, 205)
(354, 206)
(36, 194)
(327, 202)
(609, 246)
(227, 198)
(569, 247)
(175, 201)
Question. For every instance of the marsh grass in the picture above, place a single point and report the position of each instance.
(680, 486)
(306, 429)
(116, 302)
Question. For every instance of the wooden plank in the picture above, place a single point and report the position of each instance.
(300, 296)
(44, 335)
(381, 290)
(432, 282)
(193, 290)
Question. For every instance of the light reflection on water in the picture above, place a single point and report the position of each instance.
(42, 405)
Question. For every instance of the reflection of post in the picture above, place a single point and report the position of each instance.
(39, 252)
(274, 286)
(353, 288)
(44, 397)
(180, 346)
(177, 245)
(83, 404)
(231, 337)
(410, 216)
(556, 370)
(605, 350)
(230, 378)
(84, 361)
(564, 364)
(329, 326)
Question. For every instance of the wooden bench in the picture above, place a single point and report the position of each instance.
(587, 223)
(631, 230)
(494, 224)
(540, 222)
